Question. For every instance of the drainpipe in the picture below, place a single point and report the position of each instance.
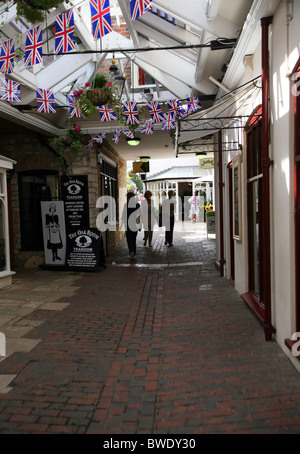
(266, 163)
(221, 184)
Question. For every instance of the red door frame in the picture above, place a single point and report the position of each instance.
(263, 311)
(231, 248)
(297, 196)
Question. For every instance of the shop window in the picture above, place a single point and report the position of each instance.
(34, 187)
(255, 213)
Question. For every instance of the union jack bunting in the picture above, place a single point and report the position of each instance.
(169, 122)
(106, 113)
(90, 143)
(155, 111)
(74, 111)
(116, 136)
(193, 104)
(100, 16)
(100, 137)
(148, 127)
(182, 112)
(174, 106)
(10, 90)
(45, 101)
(64, 32)
(128, 133)
(131, 113)
(7, 56)
(34, 47)
(139, 7)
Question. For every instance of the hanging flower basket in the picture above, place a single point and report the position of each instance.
(34, 10)
(98, 96)
(100, 91)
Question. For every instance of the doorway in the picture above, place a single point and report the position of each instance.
(185, 191)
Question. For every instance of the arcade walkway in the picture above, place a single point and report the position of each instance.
(162, 346)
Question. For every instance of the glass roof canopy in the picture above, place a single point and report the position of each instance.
(164, 54)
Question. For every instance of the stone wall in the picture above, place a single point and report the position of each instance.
(34, 152)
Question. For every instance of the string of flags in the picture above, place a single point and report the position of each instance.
(65, 42)
(10, 91)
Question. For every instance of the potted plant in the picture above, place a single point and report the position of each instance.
(72, 140)
(33, 10)
(100, 91)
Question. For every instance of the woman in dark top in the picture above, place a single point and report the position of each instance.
(168, 217)
(131, 221)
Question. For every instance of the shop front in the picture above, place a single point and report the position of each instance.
(6, 274)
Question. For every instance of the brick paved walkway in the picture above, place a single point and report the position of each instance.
(162, 346)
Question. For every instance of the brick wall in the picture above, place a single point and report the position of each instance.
(32, 152)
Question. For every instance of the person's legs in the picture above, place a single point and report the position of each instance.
(172, 222)
(150, 235)
(146, 236)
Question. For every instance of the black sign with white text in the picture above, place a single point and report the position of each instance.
(83, 249)
(76, 200)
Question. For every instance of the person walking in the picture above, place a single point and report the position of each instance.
(131, 222)
(168, 217)
(194, 206)
(148, 217)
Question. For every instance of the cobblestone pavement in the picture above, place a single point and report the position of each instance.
(159, 346)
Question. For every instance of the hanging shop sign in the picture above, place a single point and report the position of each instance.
(84, 249)
(206, 163)
(140, 167)
(76, 199)
(54, 233)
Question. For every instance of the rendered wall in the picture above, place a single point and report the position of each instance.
(285, 53)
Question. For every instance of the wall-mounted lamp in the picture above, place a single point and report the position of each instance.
(144, 158)
(200, 154)
(133, 142)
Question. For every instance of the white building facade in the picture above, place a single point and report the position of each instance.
(258, 181)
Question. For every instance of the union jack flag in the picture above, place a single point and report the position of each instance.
(106, 113)
(7, 56)
(139, 7)
(90, 143)
(193, 104)
(131, 113)
(74, 111)
(10, 90)
(174, 106)
(100, 137)
(155, 112)
(64, 32)
(182, 112)
(169, 122)
(100, 15)
(34, 47)
(148, 127)
(45, 101)
(116, 136)
(128, 133)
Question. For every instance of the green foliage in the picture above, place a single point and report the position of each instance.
(34, 10)
(99, 81)
(72, 140)
(135, 178)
